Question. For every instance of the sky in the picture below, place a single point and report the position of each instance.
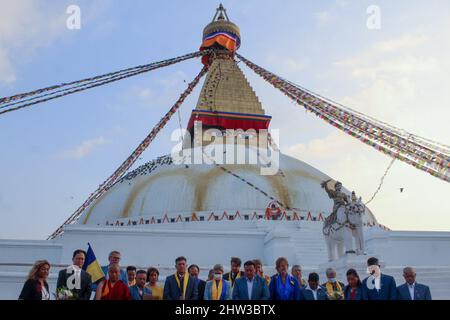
(53, 155)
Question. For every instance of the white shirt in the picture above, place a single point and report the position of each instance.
(45, 293)
(314, 292)
(377, 282)
(250, 287)
(411, 290)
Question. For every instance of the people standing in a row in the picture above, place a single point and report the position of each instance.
(334, 288)
(194, 271)
(180, 286)
(131, 275)
(75, 279)
(217, 288)
(235, 271)
(260, 272)
(378, 286)
(152, 284)
(411, 290)
(252, 284)
(36, 286)
(283, 286)
(296, 272)
(112, 287)
(139, 291)
(114, 258)
(313, 291)
(353, 291)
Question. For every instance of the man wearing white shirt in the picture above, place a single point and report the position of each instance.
(313, 291)
(251, 286)
(411, 290)
(75, 279)
(378, 286)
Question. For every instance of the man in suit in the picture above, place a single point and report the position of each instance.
(180, 286)
(333, 286)
(114, 259)
(313, 291)
(411, 290)
(378, 286)
(194, 271)
(250, 286)
(235, 272)
(75, 278)
(139, 291)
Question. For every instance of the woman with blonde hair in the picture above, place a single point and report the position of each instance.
(36, 286)
(283, 286)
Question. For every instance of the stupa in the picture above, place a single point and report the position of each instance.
(211, 211)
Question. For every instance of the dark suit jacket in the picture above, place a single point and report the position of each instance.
(348, 291)
(134, 292)
(31, 290)
(84, 293)
(388, 289)
(307, 294)
(421, 292)
(260, 290)
(173, 292)
(201, 284)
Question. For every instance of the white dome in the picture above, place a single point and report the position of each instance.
(162, 187)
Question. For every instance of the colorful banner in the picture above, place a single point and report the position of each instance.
(428, 159)
(108, 183)
(38, 96)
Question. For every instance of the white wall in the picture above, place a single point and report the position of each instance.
(415, 248)
(160, 247)
(28, 251)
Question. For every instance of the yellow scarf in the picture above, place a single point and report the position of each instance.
(185, 282)
(330, 287)
(266, 277)
(217, 290)
(231, 279)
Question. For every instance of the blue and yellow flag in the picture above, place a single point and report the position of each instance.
(92, 266)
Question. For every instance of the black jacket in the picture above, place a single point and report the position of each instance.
(173, 292)
(32, 290)
(226, 276)
(84, 293)
(201, 289)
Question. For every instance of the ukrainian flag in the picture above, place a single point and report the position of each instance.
(92, 266)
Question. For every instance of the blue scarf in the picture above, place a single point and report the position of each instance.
(285, 291)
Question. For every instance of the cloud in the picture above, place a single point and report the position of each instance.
(29, 25)
(360, 168)
(84, 149)
(26, 25)
(323, 18)
(404, 42)
(400, 81)
(380, 49)
(7, 72)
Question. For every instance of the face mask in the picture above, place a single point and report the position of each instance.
(218, 276)
(332, 280)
